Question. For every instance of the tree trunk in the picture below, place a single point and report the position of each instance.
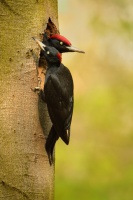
(25, 172)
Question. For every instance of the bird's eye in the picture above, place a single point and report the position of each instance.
(61, 43)
(48, 52)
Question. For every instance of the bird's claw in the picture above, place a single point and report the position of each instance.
(36, 89)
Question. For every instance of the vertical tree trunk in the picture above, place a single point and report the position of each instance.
(25, 172)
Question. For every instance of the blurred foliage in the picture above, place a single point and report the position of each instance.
(98, 163)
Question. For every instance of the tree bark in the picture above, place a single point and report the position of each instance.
(25, 172)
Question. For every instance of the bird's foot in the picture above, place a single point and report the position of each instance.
(36, 89)
(40, 92)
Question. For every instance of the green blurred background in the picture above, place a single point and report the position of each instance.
(98, 163)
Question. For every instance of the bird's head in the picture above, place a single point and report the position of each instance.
(62, 44)
(51, 54)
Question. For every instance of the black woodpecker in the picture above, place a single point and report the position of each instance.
(58, 95)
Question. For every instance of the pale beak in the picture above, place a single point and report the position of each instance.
(74, 49)
(41, 45)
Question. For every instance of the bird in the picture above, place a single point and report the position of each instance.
(61, 43)
(59, 97)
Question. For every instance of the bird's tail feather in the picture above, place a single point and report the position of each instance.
(50, 143)
(66, 136)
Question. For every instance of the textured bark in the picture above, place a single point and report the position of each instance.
(25, 172)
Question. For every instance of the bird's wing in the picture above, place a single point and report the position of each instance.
(59, 98)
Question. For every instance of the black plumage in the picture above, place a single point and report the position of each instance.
(58, 94)
(58, 90)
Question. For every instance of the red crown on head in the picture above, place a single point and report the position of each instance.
(61, 38)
